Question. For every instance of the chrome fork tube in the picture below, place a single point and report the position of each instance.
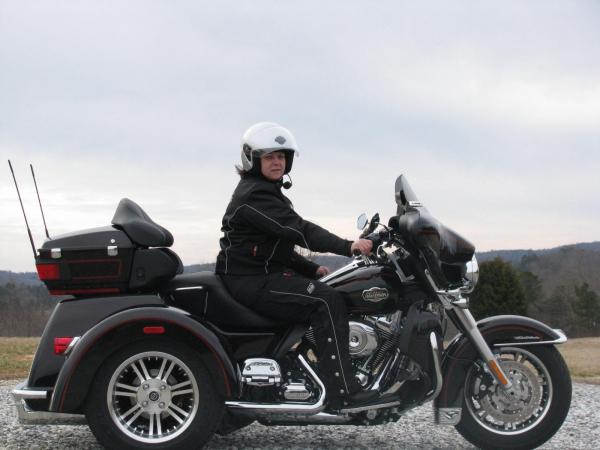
(470, 325)
(453, 300)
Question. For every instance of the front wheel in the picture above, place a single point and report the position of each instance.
(154, 393)
(529, 413)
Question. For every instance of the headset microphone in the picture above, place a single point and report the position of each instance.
(287, 184)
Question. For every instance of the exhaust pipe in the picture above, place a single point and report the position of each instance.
(297, 408)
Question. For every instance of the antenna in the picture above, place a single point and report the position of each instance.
(23, 209)
(39, 201)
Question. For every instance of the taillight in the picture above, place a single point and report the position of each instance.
(154, 330)
(61, 344)
(48, 271)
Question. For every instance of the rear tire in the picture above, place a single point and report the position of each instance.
(154, 393)
(525, 417)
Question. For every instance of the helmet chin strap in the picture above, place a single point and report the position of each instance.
(286, 184)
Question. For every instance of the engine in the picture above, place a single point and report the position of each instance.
(362, 340)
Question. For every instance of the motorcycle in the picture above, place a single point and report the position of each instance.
(149, 356)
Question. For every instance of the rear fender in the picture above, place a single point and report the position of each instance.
(113, 333)
(498, 331)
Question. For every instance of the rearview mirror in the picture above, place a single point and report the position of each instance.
(362, 221)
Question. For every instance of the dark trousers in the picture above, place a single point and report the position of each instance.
(292, 298)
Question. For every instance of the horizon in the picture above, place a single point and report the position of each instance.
(476, 251)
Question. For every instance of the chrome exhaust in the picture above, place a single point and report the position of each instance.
(288, 407)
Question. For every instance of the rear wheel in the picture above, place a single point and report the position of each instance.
(524, 416)
(154, 393)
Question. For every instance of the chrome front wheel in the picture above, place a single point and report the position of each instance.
(527, 414)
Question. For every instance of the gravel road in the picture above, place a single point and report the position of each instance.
(414, 431)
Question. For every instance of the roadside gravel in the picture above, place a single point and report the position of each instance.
(414, 431)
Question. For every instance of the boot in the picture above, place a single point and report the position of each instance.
(358, 396)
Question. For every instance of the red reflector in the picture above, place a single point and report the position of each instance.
(154, 330)
(48, 271)
(61, 344)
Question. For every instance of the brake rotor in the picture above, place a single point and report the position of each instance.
(517, 404)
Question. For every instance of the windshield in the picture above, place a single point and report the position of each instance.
(405, 197)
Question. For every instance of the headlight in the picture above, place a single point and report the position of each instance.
(471, 275)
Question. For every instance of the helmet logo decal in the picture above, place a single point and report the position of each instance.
(280, 140)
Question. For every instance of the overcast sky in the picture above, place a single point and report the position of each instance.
(492, 110)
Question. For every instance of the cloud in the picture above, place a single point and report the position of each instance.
(492, 110)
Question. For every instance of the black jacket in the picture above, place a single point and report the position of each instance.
(260, 229)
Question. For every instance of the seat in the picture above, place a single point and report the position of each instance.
(204, 295)
(140, 228)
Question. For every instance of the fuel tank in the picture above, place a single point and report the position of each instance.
(373, 289)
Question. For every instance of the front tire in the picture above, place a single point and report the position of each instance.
(155, 393)
(527, 415)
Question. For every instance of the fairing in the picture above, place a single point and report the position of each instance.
(440, 246)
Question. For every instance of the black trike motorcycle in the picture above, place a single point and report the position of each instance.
(150, 357)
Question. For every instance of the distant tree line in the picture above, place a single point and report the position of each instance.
(503, 288)
(24, 309)
(506, 289)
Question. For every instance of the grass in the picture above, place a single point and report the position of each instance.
(582, 356)
(16, 355)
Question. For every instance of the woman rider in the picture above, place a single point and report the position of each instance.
(259, 266)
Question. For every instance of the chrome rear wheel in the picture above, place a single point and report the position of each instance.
(153, 397)
(154, 393)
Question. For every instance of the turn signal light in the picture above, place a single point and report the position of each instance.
(48, 271)
(61, 344)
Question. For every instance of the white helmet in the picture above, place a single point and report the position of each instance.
(266, 137)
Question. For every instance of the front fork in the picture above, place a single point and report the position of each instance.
(469, 324)
(455, 302)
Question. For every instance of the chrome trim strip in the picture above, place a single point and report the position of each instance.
(320, 418)
(72, 345)
(342, 270)
(190, 288)
(20, 393)
(28, 416)
(436, 363)
(370, 407)
(312, 408)
(562, 338)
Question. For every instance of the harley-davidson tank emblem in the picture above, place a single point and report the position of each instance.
(375, 294)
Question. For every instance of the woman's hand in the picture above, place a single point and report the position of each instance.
(322, 271)
(363, 246)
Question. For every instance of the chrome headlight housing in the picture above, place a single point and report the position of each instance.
(471, 276)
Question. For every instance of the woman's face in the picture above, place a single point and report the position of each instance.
(272, 165)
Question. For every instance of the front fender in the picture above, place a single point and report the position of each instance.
(497, 331)
(114, 332)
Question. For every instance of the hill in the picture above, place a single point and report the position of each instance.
(514, 256)
(27, 278)
(574, 263)
(558, 271)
